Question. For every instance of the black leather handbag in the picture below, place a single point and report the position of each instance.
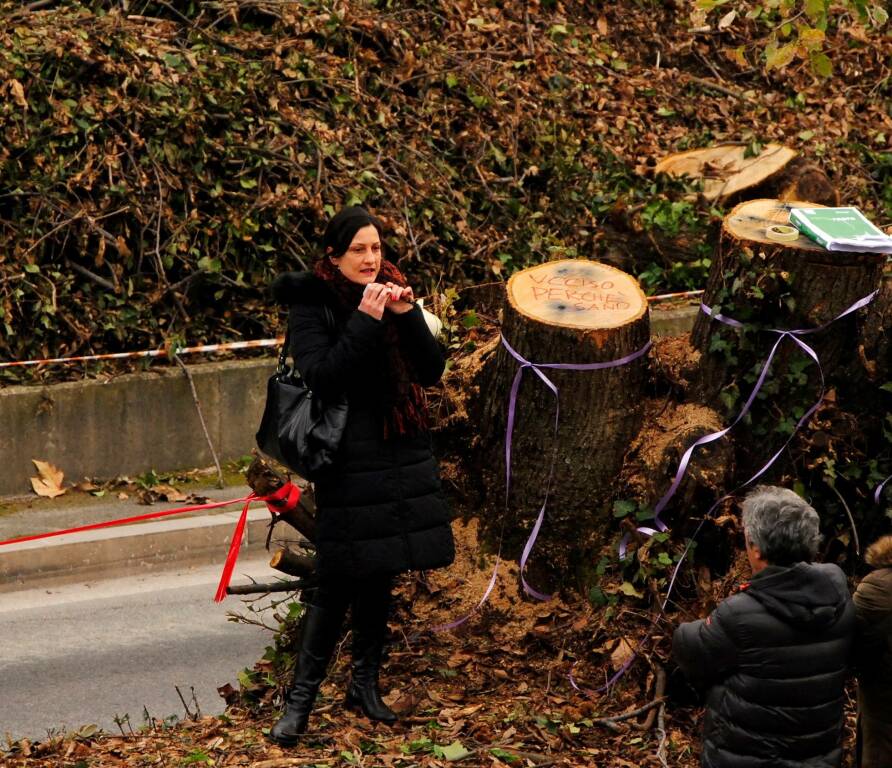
(297, 428)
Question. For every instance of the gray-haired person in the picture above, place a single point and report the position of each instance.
(774, 657)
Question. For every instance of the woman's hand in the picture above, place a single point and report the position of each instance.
(374, 298)
(403, 299)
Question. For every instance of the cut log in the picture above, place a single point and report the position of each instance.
(570, 311)
(292, 563)
(768, 284)
(730, 176)
(264, 480)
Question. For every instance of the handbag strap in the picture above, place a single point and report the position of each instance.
(286, 343)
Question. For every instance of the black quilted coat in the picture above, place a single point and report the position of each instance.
(774, 659)
(379, 509)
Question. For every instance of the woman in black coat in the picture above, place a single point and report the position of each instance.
(380, 510)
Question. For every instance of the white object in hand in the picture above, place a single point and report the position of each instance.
(434, 324)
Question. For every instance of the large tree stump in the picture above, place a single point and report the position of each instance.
(729, 175)
(767, 285)
(571, 311)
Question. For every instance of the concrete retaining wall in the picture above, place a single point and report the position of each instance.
(144, 421)
(131, 424)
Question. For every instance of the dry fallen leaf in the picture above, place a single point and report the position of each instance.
(18, 93)
(168, 493)
(48, 482)
(621, 654)
(727, 20)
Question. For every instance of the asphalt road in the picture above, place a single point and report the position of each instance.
(83, 653)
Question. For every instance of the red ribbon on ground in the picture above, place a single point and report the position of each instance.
(281, 501)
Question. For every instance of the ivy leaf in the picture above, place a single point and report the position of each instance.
(623, 507)
(454, 751)
(821, 64)
(778, 58)
(811, 39)
(814, 9)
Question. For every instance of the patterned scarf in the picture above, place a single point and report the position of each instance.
(405, 406)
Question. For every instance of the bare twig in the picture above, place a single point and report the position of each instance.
(207, 435)
(661, 730)
(529, 28)
(101, 281)
(262, 589)
(53, 231)
(159, 261)
(710, 85)
(611, 722)
(185, 705)
(851, 519)
(659, 695)
(411, 231)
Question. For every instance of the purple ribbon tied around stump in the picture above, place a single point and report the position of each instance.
(686, 458)
(509, 431)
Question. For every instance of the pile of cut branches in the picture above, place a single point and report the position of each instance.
(160, 162)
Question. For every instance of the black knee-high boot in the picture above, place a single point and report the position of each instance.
(322, 629)
(369, 611)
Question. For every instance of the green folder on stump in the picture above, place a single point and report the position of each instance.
(841, 229)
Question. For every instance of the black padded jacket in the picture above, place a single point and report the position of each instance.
(774, 658)
(380, 509)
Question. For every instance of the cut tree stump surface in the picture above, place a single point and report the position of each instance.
(750, 222)
(577, 294)
(725, 169)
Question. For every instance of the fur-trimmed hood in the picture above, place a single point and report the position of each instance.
(879, 554)
(300, 288)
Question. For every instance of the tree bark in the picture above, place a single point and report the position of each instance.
(785, 285)
(571, 311)
(264, 480)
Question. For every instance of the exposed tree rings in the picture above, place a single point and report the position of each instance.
(726, 169)
(577, 293)
(750, 221)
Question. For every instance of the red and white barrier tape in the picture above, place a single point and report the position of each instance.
(229, 346)
(150, 353)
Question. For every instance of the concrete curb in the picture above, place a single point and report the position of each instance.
(144, 421)
(193, 540)
(127, 549)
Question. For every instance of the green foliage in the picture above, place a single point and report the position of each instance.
(796, 28)
(158, 170)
